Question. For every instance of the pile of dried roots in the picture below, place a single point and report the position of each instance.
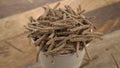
(61, 31)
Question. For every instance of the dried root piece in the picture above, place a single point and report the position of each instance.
(115, 61)
(77, 49)
(55, 7)
(87, 53)
(39, 50)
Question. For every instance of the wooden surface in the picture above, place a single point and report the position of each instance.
(11, 7)
(101, 51)
(16, 52)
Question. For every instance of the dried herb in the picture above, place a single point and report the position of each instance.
(61, 31)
